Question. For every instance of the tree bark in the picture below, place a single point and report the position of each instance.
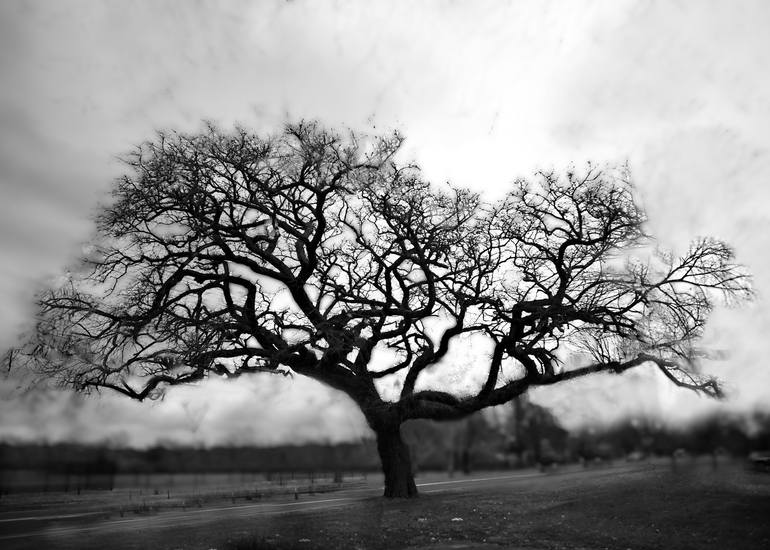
(396, 464)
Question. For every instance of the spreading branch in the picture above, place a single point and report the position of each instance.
(225, 253)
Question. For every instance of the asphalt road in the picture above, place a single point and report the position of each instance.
(46, 529)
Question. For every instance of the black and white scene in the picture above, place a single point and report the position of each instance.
(369, 274)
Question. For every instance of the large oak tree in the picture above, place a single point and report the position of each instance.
(227, 253)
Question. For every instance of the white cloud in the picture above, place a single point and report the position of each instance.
(261, 410)
(485, 92)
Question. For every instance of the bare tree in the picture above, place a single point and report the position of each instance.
(310, 252)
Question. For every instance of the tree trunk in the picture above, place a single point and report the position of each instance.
(396, 464)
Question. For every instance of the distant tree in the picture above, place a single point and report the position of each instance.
(430, 443)
(472, 435)
(227, 253)
(530, 427)
(451, 445)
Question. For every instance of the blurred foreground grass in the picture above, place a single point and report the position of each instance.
(642, 505)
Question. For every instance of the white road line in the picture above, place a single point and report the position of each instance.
(154, 522)
(172, 518)
(60, 516)
(263, 505)
(515, 476)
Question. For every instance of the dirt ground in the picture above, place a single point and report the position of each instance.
(644, 506)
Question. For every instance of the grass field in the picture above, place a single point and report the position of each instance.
(154, 493)
(638, 506)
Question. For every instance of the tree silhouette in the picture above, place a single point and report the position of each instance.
(225, 253)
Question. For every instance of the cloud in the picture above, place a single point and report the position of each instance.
(258, 410)
(485, 92)
(680, 90)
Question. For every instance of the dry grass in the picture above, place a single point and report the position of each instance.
(652, 507)
(644, 510)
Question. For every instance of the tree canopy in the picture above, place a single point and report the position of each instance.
(311, 252)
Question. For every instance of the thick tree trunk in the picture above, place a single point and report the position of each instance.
(396, 464)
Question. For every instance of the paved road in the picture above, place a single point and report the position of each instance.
(21, 532)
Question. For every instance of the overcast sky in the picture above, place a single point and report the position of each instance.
(484, 92)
